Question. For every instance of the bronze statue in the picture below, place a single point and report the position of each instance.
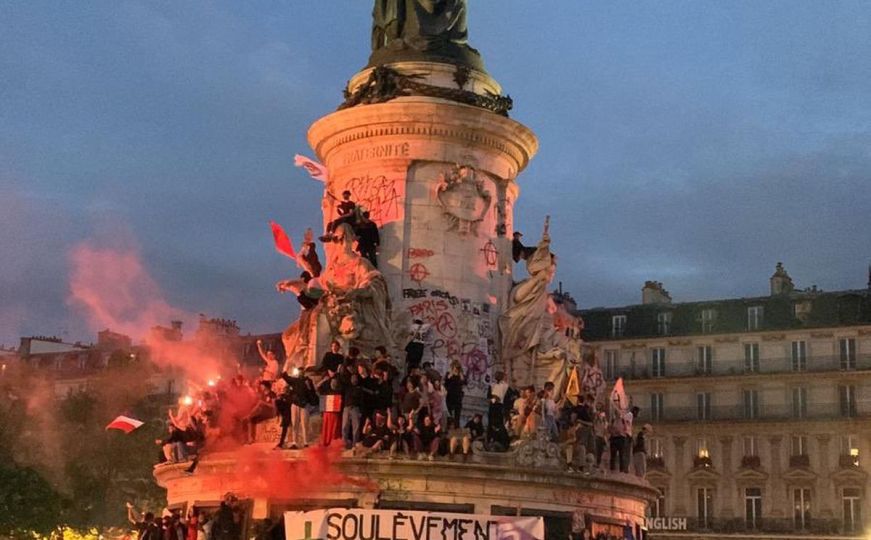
(421, 30)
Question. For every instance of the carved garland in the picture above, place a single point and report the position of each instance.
(385, 84)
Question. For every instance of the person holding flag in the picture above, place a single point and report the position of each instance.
(620, 428)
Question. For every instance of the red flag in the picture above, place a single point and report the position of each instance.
(125, 424)
(282, 241)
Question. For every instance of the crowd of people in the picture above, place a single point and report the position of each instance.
(374, 406)
(224, 523)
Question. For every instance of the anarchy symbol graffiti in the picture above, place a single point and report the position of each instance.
(490, 253)
(418, 272)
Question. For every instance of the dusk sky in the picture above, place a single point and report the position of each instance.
(693, 143)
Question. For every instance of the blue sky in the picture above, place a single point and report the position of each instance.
(694, 143)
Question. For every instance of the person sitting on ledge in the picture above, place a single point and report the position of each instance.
(430, 435)
(404, 439)
(377, 436)
(346, 210)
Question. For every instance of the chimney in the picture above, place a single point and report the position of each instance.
(780, 282)
(654, 293)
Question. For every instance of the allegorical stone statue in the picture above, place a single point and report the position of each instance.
(357, 302)
(421, 30)
(534, 349)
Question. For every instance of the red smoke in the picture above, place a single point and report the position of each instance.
(113, 290)
(265, 473)
(116, 291)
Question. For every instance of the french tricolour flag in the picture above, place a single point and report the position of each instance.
(125, 424)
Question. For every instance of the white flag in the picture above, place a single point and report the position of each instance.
(315, 169)
(619, 402)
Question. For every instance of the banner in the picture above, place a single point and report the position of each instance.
(359, 523)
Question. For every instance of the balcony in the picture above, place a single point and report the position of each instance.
(847, 461)
(779, 412)
(656, 463)
(702, 462)
(812, 526)
(800, 461)
(733, 367)
(751, 462)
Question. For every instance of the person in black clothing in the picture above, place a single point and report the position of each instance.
(497, 436)
(353, 358)
(454, 383)
(333, 359)
(417, 345)
(145, 525)
(351, 398)
(282, 409)
(347, 206)
(475, 425)
(518, 250)
(430, 436)
(172, 446)
(368, 239)
(347, 209)
(384, 395)
(377, 435)
(369, 392)
(227, 521)
(301, 394)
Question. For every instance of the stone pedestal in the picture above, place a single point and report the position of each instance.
(439, 179)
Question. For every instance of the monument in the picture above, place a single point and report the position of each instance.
(422, 144)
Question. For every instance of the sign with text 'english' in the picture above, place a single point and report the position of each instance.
(362, 524)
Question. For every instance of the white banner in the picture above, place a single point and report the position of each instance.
(362, 524)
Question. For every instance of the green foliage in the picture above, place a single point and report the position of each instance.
(62, 470)
(28, 503)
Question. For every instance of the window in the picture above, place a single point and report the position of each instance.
(799, 402)
(852, 498)
(656, 406)
(705, 360)
(703, 401)
(708, 318)
(754, 317)
(847, 395)
(751, 357)
(657, 360)
(751, 446)
(618, 325)
(753, 507)
(663, 323)
(849, 451)
(799, 355)
(801, 504)
(751, 404)
(848, 353)
(611, 365)
(705, 506)
(799, 445)
(657, 447)
(657, 509)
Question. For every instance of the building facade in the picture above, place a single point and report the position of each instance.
(759, 407)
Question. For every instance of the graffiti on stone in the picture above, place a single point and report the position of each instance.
(381, 196)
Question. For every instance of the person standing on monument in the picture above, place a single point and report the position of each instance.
(270, 371)
(368, 239)
(420, 332)
(455, 380)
